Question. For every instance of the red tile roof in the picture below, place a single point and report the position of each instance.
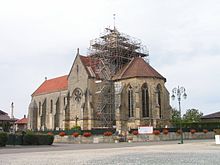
(22, 121)
(89, 65)
(52, 85)
(137, 67)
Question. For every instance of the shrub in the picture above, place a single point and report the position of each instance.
(50, 133)
(165, 131)
(193, 131)
(3, 139)
(87, 134)
(135, 132)
(108, 133)
(38, 139)
(75, 134)
(50, 139)
(156, 132)
(62, 134)
(205, 131)
(77, 127)
(45, 139)
(30, 139)
(15, 139)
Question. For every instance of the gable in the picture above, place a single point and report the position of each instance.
(87, 63)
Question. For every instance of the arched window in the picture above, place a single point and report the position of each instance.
(145, 101)
(130, 102)
(51, 106)
(158, 98)
(77, 69)
(39, 108)
(64, 100)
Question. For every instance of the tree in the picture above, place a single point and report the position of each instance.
(192, 115)
(175, 120)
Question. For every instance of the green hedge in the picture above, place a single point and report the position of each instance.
(30, 139)
(35, 139)
(15, 139)
(3, 139)
(45, 139)
(71, 131)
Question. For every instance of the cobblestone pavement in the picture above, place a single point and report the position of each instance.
(197, 152)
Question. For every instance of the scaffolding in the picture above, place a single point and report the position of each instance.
(112, 51)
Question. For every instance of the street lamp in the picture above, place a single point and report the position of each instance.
(179, 92)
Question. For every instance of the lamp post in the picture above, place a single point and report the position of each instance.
(179, 92)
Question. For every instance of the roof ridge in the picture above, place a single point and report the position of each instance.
(138, 67)
(52, 85)
(55, 78)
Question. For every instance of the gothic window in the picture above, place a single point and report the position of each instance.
(51, 106)
(130, 102)
(145, 101)
(77, 69)
(39, 108)
(64, 101)
(158, 98)
(77, 95)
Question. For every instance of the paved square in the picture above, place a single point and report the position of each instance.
(191, 152)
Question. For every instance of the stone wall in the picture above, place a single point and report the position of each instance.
(155, 118)
(50, 114)
(132, 138)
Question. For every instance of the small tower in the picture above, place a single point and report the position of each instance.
(12, 110)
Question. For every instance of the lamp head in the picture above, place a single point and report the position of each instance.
(173, 97)
(184, 95)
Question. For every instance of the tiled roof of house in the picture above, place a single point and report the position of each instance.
(22, 121)
(137, 67)
(211, 116)
(3, 113)
(52, 85)
(4, 118)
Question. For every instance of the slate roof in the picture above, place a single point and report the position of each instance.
(211, 116)
(22, 121)
(52, 85)
(137, 67)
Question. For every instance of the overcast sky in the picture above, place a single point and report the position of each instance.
(40, 38)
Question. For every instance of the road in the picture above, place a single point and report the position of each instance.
(170, 152)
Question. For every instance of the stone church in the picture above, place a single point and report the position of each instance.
(113, 86)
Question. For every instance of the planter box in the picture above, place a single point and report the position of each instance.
(108, 139)
(87, 140)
